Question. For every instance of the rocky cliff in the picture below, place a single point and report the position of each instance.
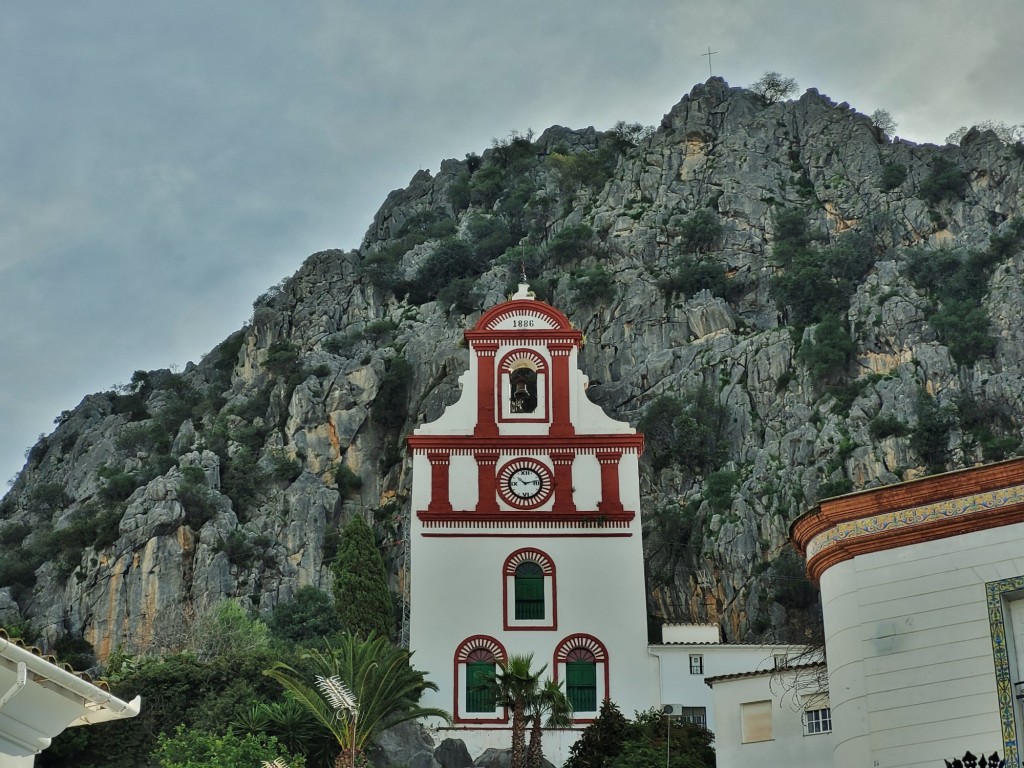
(788, 301)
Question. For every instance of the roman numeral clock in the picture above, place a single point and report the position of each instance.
(525, 533)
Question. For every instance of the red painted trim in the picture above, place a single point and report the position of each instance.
(486, 425)
(508, 572)
(525, 462)
(595, 646)
(520, 535)
(486, 503)
(610, 500)
(564, 501)
(496, 314)
(463, 649)
(627, 443)
(439, 496)
(961, 484)
(561, 423)
(594, 519)
(523, 353)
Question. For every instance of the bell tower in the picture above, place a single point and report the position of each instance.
(525, 533)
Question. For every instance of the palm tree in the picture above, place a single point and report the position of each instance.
(514, 686)
(549, 708)
(383, 686)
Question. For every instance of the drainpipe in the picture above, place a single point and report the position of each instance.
(20, 682)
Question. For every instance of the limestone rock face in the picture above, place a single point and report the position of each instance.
(146, 506)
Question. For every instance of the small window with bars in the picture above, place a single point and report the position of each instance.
(696, 664)
(695, 715)
(818, 721)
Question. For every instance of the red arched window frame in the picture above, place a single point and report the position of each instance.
(471, 649)
(508, 579)
(584, 647)
(524, 357)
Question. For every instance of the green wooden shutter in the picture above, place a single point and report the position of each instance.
(529, 591)
(581, 685)
(478, 697)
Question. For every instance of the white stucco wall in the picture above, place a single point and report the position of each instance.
(673, 683)
(910, 649)
(789, 746)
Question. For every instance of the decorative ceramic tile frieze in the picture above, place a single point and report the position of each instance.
(885, 522)
(995, 594)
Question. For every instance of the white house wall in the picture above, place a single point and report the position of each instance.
(910, 649)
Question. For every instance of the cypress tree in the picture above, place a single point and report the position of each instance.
(361, 592)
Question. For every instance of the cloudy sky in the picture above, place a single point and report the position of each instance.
(162, 164)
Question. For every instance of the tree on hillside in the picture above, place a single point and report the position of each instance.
(1008, 134)
(773, 87)
(379, 678)
(361, 592)
(883, 120)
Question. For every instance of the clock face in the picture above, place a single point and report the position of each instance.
(525, 483)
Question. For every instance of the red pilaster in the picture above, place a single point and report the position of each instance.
(486, 419)
(610, 501)
(561, 425)
(486, 472)
(563, 481)
(439, 496)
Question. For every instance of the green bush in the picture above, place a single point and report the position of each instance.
(189, 748)
(308, 618)
(198, 501)
(284, 468)
(244, 482)
(835, 487)
(686, 431)
(700, 232)
(452, 259)
(789, 586)
(882, 427)
(816, 282)
(827, 355)
(930, 436)
(690, 276)
(893, 176)
(718, 489)
(595, 285)
(957, 283)
(348, 481)
(459, 294)
(945, 181)
(390, 407)
(570, 244)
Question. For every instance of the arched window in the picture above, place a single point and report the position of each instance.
(581, 680)
(480, 668)
(582, 662)
(523, 383)
(529, 591)
(476, 659)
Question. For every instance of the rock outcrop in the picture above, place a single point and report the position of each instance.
(145, 506)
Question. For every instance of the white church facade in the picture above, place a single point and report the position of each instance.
(526, 535)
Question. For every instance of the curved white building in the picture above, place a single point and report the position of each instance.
(922, 587)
